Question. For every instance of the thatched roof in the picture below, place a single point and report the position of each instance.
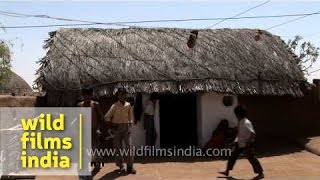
(15, 84)
(159, 60)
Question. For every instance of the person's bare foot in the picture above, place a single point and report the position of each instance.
(259, 176)
(226, 173)
(121, 169)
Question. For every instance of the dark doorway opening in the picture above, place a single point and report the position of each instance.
(178, 120)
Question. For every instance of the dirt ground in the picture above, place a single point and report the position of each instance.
(311, 144)
(17, 101)
(299, 164)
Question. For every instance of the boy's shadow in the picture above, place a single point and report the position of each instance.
(113, 175)
(95, 171)
(232, 178)
(228, 178)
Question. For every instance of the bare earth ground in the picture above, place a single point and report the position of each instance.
(295, 165)
(17, 101)
(286, 162)
(311, 144)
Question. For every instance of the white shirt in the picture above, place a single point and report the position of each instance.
(245, 129)
(149, 108)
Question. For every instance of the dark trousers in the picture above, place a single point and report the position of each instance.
(122, 142)
(95, 144)
(249, 154)
(151, 134)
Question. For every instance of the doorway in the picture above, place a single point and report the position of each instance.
(178, 120)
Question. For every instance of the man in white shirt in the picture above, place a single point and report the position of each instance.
(244, 141)
(120, 118)
(148, 119)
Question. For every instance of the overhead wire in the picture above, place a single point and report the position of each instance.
(127, 23)
(314, 71)
(223, 20)
(292, 20)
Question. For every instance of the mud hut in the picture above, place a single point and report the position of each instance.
(16, 85)
(193, 81)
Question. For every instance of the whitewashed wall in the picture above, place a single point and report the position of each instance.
(210, 112)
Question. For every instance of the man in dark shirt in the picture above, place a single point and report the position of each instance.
(96, 117)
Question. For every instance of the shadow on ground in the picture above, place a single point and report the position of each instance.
(113, 175)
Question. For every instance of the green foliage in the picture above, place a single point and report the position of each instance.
(307, 52)
(5, 61)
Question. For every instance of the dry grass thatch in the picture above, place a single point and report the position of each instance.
(159, 60)
(15, 84)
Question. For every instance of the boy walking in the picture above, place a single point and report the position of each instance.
(120, 118)
(244, 142)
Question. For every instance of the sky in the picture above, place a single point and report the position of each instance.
(28, 44)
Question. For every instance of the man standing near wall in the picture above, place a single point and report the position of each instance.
(148, 119)
(244, 143)
(97, 119)
(120, 118)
